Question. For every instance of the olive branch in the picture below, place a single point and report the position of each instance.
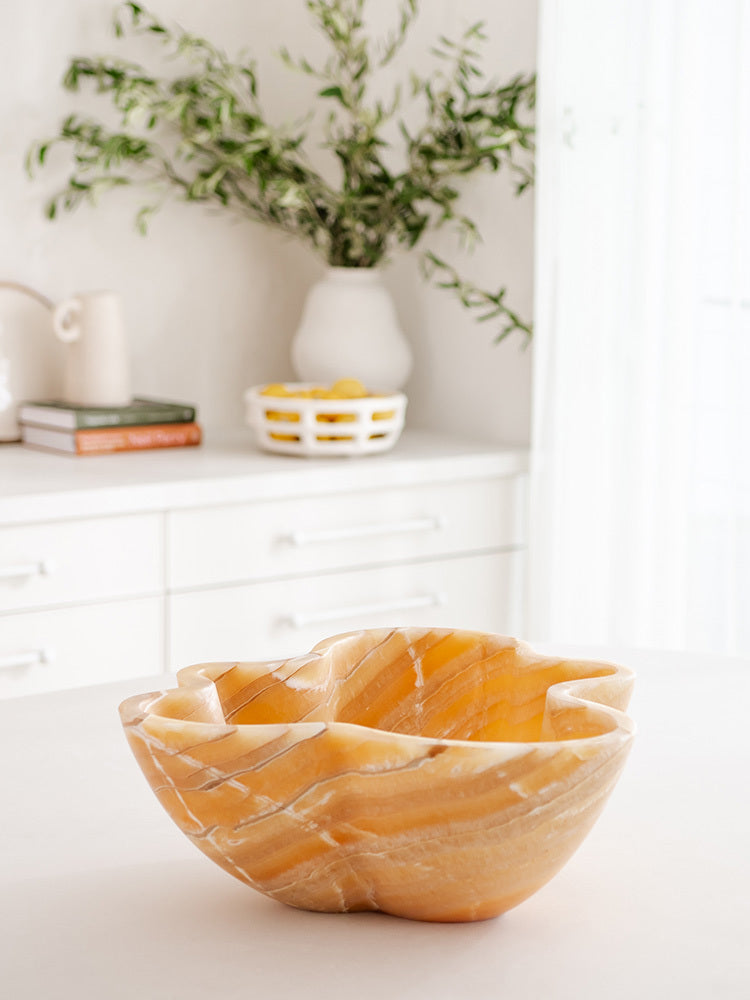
(203, 135)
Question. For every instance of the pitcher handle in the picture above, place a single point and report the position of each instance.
(66, 320)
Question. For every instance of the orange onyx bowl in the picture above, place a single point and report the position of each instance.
(429, 773)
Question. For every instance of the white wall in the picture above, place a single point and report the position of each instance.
(212, 302)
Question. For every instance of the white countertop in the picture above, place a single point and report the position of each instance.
(102, 897)
(36, 485)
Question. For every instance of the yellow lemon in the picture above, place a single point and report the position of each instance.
(275, 389)
(348, 388)
(335, 417)
(287, 415)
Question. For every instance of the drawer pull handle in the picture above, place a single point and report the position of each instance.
(302, 619)
(302, 537)
(28, 659)
(42, 568)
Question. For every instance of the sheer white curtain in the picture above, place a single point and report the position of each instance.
(640, 526)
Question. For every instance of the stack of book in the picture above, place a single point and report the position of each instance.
(87, 430)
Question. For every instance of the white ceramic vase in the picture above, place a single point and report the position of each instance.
(349, 329)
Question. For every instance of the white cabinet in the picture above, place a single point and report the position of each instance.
(300, 535)
(280, 618)
(68, 562)
(81, 602)
(135, 564)
(81, 644)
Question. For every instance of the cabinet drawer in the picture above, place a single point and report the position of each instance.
(294, 536)
(64, 562)
(286, 618)
(70, 647)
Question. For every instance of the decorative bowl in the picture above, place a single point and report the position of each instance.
(429, 773)
(292, 425)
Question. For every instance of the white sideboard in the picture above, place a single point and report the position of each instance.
(125, 565)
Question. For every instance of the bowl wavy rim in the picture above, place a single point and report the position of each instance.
(577, 693)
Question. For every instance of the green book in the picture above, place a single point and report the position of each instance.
(53, 413)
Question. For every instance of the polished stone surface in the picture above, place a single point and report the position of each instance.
(431, 774)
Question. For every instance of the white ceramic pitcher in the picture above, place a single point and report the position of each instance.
(97, 369)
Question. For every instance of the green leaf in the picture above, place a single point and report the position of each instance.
(336, 92)
(70, 79)
(142, 219)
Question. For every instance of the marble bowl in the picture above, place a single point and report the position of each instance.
(429, 773)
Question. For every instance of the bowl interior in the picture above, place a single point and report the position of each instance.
(440, 683)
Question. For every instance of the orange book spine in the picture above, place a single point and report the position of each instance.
(102, 440)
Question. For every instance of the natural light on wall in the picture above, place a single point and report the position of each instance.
(641, 461)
